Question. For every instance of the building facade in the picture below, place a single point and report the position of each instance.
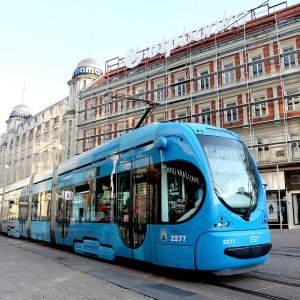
(243, 76)
(241, 73)
(32, 144)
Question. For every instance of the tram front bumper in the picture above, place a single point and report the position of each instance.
(232, 249)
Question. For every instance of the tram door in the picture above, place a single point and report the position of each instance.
(23, 215)
(64, 207)
(133, 209)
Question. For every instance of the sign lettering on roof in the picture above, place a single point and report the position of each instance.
(134, 57)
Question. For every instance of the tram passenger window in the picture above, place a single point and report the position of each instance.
(105, 197)
(45, 198)
(35, 207)
(140, 195)
(65, 207)
(124, 197)
(23, 208)
(82, 204)
(13, 209)
(182, 191)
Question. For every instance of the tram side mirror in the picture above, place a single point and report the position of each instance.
(161, 143)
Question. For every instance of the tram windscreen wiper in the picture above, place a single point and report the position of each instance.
(248, 214)
(216, 189)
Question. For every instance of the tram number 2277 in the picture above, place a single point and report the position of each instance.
(229, 242)
(178, 238)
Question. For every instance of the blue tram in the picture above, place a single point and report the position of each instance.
(177, 195)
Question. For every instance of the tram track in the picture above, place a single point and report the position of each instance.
(267, 288)
(272, 280)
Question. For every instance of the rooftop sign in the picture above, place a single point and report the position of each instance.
(134, 57)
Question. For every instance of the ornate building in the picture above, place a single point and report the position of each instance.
(32, 144)
(241, 73)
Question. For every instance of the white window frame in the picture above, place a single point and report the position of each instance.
(229, 76)
(293, 102)
(289, 60)
(206, 119)
(106, 106)
(140, 94)
(159, 93)
(257, 68)
(180, 87)
(231, 112)
(121, 105)
(203, 82)
(180, 115)
(160, 118)
(260, 109)
(121, 128)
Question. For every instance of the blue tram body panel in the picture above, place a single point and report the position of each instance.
(168, 202)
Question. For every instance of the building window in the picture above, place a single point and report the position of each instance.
(121, 105)
(205, 116)
(160, 119)
(231, 112)
(140, 94)
(104, 135)
(181, 117)
(257, 67)
(106, 106)
(181, 86)
(288, 59)
(228, 76)
(56, 120)
(121, 129)
(259, 108)
(293, 101)
(204, 80)
(159, 92)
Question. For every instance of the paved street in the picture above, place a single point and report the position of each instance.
(28, 275)
(31, 270)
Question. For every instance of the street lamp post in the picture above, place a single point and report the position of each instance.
(59, 148)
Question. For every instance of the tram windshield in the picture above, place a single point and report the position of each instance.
(233, 175)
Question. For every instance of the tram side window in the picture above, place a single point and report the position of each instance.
(140, 195)
(123, 197)
(23, 208)
(14, 209)
(82, 203)
(182, 191)
(5, 208)
(40, 206)
(35, 207)
(45, 198)
(65, 207)
(105, 199)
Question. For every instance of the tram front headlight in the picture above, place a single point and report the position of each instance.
(222, 223)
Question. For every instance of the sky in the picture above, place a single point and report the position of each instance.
(41, 42)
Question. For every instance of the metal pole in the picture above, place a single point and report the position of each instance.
(280, 219)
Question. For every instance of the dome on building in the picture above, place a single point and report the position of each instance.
(87, 66)
(20, 110)
(88, 62)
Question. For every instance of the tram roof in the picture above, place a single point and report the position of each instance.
(137, 137)
(46, 174)
(17, 185)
